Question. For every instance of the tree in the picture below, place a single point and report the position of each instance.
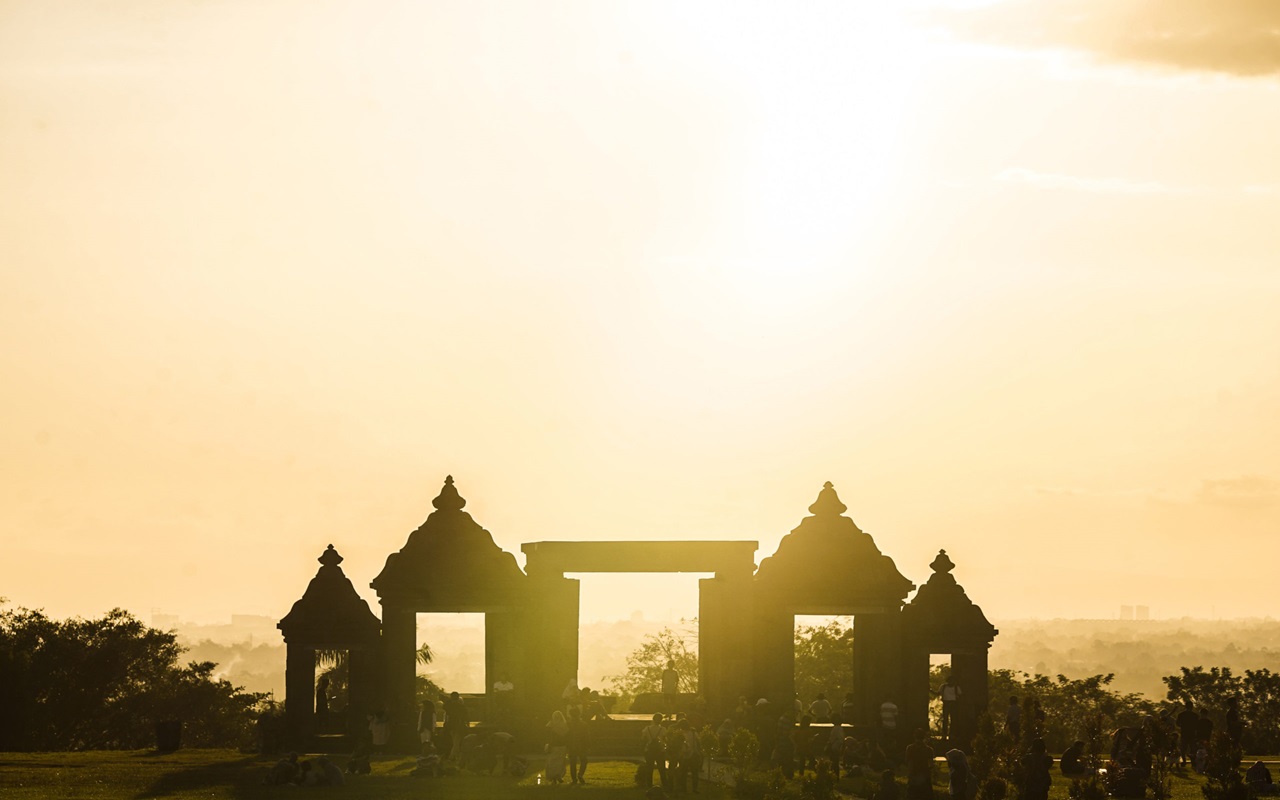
(104, 683)
(646, 663)
(824, 661)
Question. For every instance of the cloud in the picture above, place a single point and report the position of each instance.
(1236, 37)
(1249, 491)
(1050, 180)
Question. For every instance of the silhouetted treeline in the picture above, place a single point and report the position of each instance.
(104, 683)
(1139, 653)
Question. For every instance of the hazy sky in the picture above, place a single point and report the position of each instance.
(1006, 273)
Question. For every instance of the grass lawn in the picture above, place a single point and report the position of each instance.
(217, 774)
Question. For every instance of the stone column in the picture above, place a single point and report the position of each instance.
(970, 674)
(725, 648)
(299, 692)
(399, 641)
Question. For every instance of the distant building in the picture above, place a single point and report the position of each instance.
(164, 622)
(1126, 612)
(1142, 612)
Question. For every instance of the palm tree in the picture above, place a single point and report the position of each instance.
(424, 655)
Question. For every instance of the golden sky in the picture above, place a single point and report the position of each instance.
(1004, 272)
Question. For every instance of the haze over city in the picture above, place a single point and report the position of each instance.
(1003, 272)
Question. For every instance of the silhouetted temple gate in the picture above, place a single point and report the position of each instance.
(746, 619)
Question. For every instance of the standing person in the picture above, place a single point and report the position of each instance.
(1235, 726)
(957, 774)
(1036, 765)
(557, 746)
(379, 730)
(322, 704)
(426, 721)
(670, 686)
(889, 728)
(919, 768)
(1013, 718)
(806, 744)
(572, 695)
(848, 709)
(675, 756)
(503, 692)
(455, 725)
(784, 748)
(653, 742)
(578, 740)
(692, 755)
(950, 694)
(835, 745)
(1188, 722)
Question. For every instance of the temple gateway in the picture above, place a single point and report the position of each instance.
(746, 621)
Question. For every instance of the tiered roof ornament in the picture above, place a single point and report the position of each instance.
(941, 612)
(449, 557)
(330, 610)
(828, 556)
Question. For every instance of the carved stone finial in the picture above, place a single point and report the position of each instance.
(330, 557)
(449, 499)
(942, 563)
(828, 503)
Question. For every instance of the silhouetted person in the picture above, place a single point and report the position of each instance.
(557, 746)
(426, 721)
(653, 741)
(670, 686)
(919, 757)
(455, 725)
(1072, 765)
(1259, 779)
(784, 748)
(322, 704)
(835, 745)
(503, 692)
(957, 774)
(820, 709)
(1188, 723)
(1035, 769)
(1235, 726)
(1013, 718)
(379, 731)
(578, 741)
(848, 709)
(283, 772)
(950, 694)
(888, 788)
(691, 760)
(807, 744)
(1204, 729)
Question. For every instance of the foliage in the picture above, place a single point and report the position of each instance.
(104, 683)
(423, 655)
(646, 663)
(1210, 690)
(743, 749)
(1069, 704)
(824, 661)
(1223, 770)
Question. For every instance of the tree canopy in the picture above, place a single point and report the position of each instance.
(104, 683)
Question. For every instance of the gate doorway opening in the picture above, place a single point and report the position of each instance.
(823, 663)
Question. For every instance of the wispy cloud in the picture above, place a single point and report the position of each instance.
(1075, 183)
(1249, 491)
(1236, 37)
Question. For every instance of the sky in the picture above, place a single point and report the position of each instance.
(1004, 272)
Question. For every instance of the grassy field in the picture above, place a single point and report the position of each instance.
(227, 775)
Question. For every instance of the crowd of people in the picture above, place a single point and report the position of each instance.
(795, 740)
